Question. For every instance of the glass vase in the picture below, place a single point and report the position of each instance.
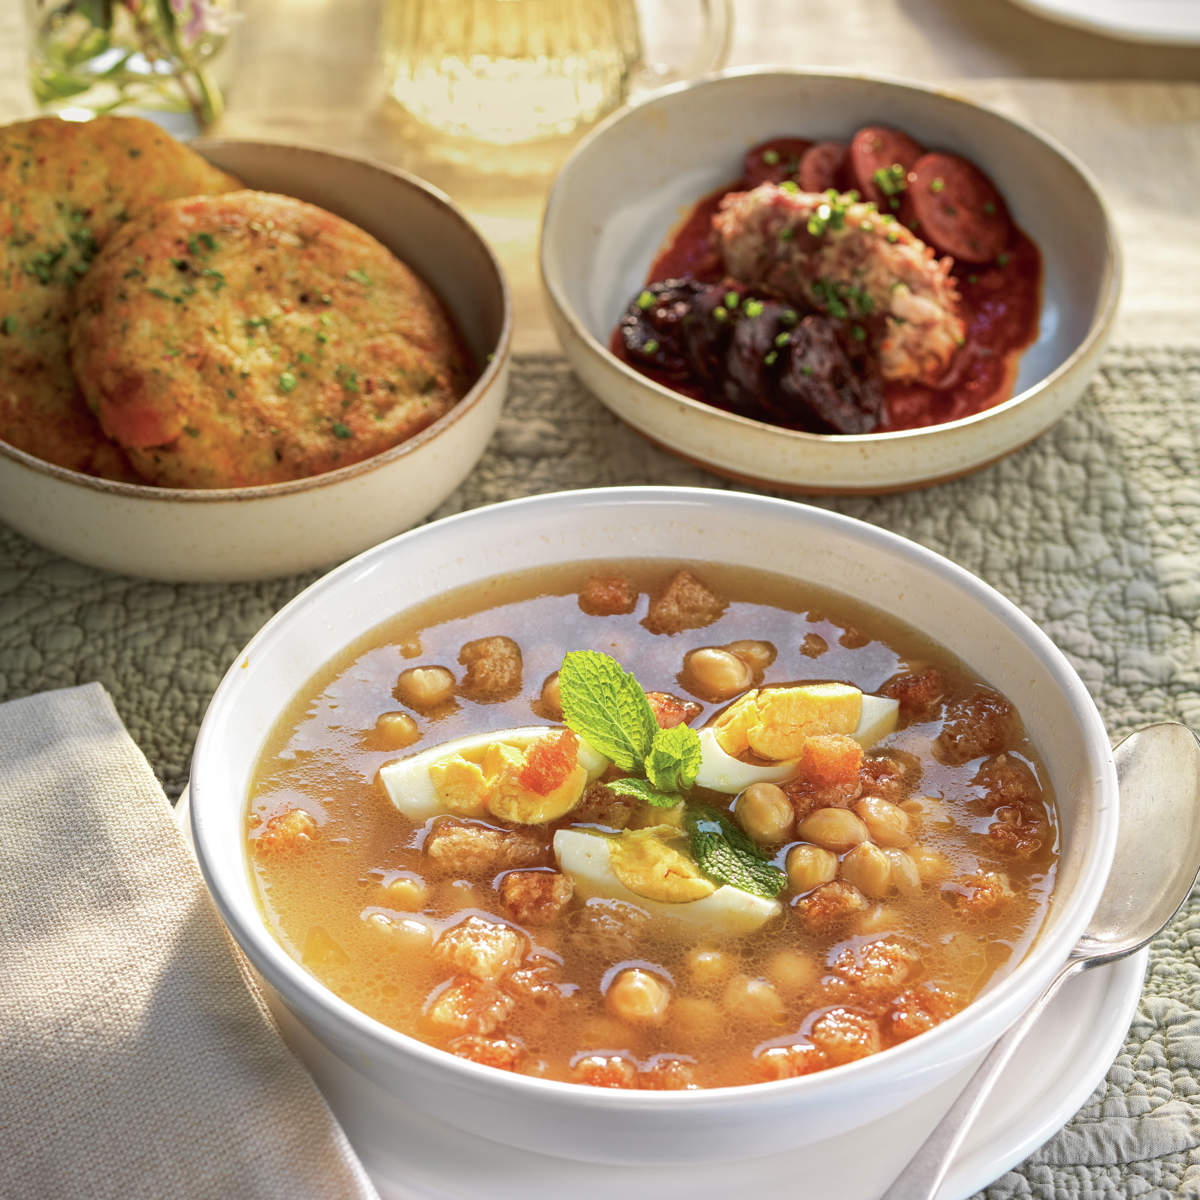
(161, 59)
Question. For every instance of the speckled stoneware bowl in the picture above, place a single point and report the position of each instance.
(229, 534)
(629, 182)
(612, 1125)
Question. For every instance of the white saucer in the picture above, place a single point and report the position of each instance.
(1167, 22)
(1056, 1068)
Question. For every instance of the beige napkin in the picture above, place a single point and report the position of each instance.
(134, 1060)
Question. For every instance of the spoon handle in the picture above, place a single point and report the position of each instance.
(926, 1170)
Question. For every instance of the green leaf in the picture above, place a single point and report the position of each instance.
(724, 853)
(606, 707)
(674, 759)
(49, 86)
(644, 790)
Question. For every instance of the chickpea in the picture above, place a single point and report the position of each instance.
(888, 824)
(425, 688)
(868, 868)
(809, 867)
(753, 999)
(405, 892)
(708, 967)
(932, 865)
(696, 1018)
(397, 729)
(793, 971)
(716, 674)
(602, 1032)
(552, 697)
(966, 952)
(638, 997)
(408, 933)
(834, 828)
(905, 877)
(879, 918)
(456, 894)
(765, 813)
(758, 656)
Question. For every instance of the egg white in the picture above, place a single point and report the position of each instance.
(586, 857)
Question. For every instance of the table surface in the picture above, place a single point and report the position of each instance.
(1114, 487)
(311, 71)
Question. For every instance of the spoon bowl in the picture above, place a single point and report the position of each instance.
(1153, 872)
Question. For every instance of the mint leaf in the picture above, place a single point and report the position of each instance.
(643, 789)
(606, 707)
(724, 853)
(674, 759)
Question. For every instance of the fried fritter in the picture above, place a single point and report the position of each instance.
(249, 338)
(65, 186)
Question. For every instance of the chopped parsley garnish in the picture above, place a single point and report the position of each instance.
(830, 214)
(937, 185)
(753, 308)
(645, 300)
(650, 347)
(340, 430)
(731, 299)
(287, 381)
(8, 325)
(1002, 260)
(770, 157)
(359, 276)
(891, 182)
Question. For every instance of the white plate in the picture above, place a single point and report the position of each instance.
(1063, 1058)
(1163, 21)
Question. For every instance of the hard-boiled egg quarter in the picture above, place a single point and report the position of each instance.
(483, 775)
(594, 859)
(724, 772)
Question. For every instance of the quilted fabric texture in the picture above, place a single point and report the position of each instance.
(1094, 530)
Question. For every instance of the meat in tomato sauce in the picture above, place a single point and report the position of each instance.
(841, 288)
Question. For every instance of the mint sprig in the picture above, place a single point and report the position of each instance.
(643, 789)
(674, 759)
(607, 707)
(724, 853)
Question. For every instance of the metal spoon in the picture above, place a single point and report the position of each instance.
(1156, 864)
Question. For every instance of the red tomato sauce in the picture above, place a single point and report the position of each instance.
(1000, 305)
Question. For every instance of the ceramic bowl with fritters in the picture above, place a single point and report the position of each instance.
(216, 534)
(628, 184)
(385, 1070)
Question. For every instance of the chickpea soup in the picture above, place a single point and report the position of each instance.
(652, 825)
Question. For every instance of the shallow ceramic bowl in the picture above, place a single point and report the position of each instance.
(627, 185)
(227, 534)
(567, 1120)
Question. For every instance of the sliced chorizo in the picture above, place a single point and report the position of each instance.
(877, 148)
(822, 166)
(773, 161)
(954, 206)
